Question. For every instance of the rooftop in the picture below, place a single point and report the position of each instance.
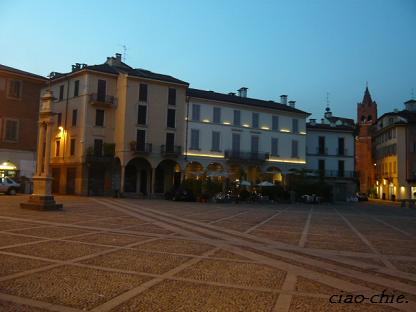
(115, 66)
(21, 72)
(215, 96)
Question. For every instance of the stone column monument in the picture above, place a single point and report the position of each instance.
(42, 198)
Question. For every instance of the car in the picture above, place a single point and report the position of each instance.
(362, 197)
(8, 186)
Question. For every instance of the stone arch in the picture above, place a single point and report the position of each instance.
(193, 170)
(137, 176)
(167, 175)
(274, 174)
(236, 172)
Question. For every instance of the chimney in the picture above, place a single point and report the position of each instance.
(292, 104)
(283, 99)
(312, 122)
(118, 57)
(322, 121)
(242, 92)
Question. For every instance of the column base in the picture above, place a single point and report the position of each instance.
(41, 202)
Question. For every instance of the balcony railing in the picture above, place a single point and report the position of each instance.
(141, 148)
(322, 151)
(335, 173)
(102, 100)
(105, 154)
(245, 156)
(171, 150)
(342, 151)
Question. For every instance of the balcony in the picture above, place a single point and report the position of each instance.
(322, 151)
(335, 174)
(102, 100)
(170, 150)
(104, 154)
(141, 148)
(245, 156)
(342, 152)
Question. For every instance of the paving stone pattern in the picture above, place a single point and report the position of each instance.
(105, 254)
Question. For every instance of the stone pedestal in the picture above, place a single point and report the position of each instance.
(41, 199)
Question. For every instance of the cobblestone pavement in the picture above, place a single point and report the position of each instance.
(104, 254)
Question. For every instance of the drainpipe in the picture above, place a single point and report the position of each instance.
(66, 116)
(186, 130)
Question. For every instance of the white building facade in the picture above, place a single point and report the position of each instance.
(237, 137)
(330, 153)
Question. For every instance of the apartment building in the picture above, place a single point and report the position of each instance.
(330, 153)
(364, 164)
(234, 137)
(117, 128)
(19, 111)
(394, 137)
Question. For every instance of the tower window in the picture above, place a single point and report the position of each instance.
(369, 118)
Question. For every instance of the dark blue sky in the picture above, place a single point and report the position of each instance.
(300, 48)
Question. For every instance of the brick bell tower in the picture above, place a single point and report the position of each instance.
(364, 163)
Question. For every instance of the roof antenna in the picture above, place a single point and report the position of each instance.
(327, 102)
(124, 52)
(412, 94)
(366, 84)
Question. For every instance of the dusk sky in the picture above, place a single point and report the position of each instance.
(300, 48)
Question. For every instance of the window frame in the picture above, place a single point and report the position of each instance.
(8, 86)
(103, 118)
(172, 96)
(192, 146)
(5, 139)
(143, 92)
(174, 118)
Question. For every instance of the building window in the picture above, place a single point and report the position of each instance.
(341, 146)
(295, 126)
(235, 144)
(76, 88)
(98, 147)
(216, 118)
(275, 123)
(321, 145)
(141, 140)
(61, 92)
(255, 120)
(171, 118)
(74, 117)
(99, 118)
(194, 139)
(141, 114)
(11, 130)
(341, 168)
(101, 90)
(215, 141)
(172, 96)
(72, 147)
(295, 152)
(59, 121)
(14, 90)
(275, 147)
(196, 112)
(143, 92)
(170, 142)
(254, 144)
(237, 118)
(57, 148)
(321, 166)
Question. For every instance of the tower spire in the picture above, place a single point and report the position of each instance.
(367, 100)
